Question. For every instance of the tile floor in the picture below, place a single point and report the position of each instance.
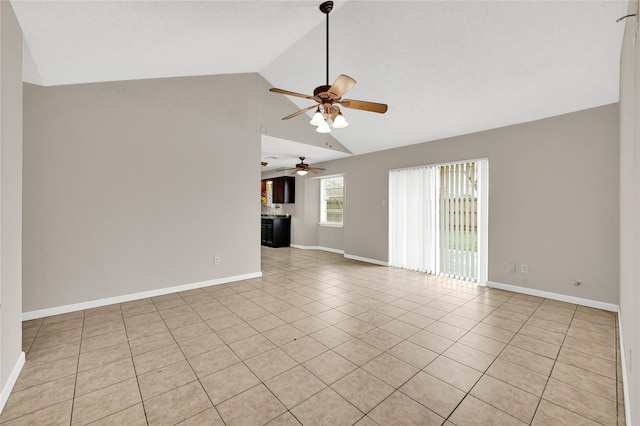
(320, 339)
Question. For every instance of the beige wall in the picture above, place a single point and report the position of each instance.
(136, 186)
(553, 200)
(630, 213)
(10, 192)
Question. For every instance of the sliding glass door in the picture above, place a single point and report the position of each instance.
(437, 219)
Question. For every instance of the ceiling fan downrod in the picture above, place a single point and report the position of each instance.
(326, 8)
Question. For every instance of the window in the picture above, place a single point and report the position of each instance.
(332, 201)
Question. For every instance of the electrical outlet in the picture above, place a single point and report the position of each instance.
(524, 269)
(216, 260)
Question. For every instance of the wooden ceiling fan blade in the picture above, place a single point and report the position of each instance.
(297, 113)
(287, 92)
(316, 168)
(342, 84)
(364, 105)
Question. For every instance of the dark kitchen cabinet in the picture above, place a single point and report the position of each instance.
(284, 190)
(275, 231)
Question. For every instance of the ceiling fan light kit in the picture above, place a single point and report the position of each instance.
(303, 168)
(328, 97)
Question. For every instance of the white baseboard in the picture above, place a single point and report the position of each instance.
(329, 249)
(348, 256)
(367, 260)
(555, 296)
(11, 381)
(625, 384)
(134, 296)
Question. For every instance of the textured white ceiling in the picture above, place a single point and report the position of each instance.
(444, 67)
(282, 153)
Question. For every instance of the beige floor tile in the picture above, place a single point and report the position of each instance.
(608, 339)
(212, 361)
(326, 407)
(507, 398)
(270, 364)
(283, 334)
(329, 367)
(50, 340)
(252, 314)
(549, 414)
(310, 325)
(449, 331)
(133, 311)
(177, 405)
(102, 341)
(150, 343)
(416, 319)
(400, 328)
(191, 331)
(165, 379)
(59, 414)
(518, 376)
(251, 346)
(236, 332)
(431, 341)
(252, 407)
(132, 416)
(304, 349)
(38, 397)
(482, 343)
(390, 310)
(60, 326)
(143, 330)
(473, 412)
(542, 334)
(398, 409)
(357, 351)
(229, 382)
(588, 362)
(200, 344)
(374, 318)
(593, 326)
(500, 322)
(104, 402)
(433, 393)
(538, 363)
(585, 346)
(581, 402)
(585, 380)
(413, 354)
(266, 322)
(537, 346)
(286, 419)
(294, 386)
(209, 417)
(44, 373)
(495, 333)
(147, 318)
(390, 369)
(354, 326)
(471, 357)
(294, 314)
(100, 328)
(548, 325)
(331, 337)
(52, 354)
(226, 320)
(454, 373)
(362, 389)
(103, 376)
(158, 358)
(381, 339)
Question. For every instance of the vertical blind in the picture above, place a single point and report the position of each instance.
(458, 229)
(433, 219)
(413, 219)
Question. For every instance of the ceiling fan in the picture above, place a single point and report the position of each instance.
(328, 97)
(302, 168)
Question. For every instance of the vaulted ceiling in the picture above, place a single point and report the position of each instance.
(445, 68)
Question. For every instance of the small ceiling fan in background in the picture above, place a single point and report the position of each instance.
(302, 168)
(328, 97)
